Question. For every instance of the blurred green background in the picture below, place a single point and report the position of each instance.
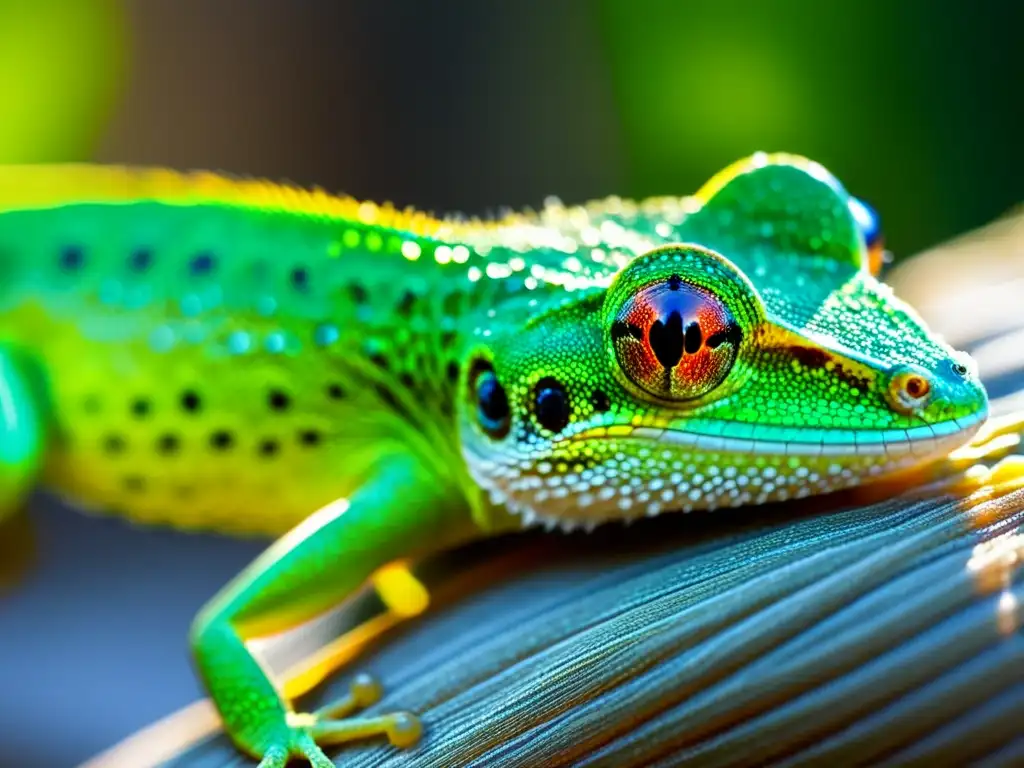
(473, 106)
(466, 106)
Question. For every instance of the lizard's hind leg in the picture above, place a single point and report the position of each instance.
(22, 428)
(22, 438)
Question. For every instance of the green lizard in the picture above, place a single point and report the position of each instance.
(205, 353)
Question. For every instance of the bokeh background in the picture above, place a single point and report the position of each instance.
(465, 106)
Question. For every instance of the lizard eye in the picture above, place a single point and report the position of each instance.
(674, 339)
(492, 409)
(909, 391)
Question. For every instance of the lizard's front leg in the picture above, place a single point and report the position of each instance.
(23, 427)
(403, 510)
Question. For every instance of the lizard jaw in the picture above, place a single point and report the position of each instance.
(924, 441)
(694, 472)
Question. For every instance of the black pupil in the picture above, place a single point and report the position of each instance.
(492, 403)
(552, 405)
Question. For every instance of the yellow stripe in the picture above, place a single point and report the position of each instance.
(34, 187)
(760, 160)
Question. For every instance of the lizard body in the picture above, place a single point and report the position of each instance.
(204, 353)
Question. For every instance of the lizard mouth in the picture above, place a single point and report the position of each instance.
(924, 441)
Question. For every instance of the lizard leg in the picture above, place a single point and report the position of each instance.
(22, 439)
(403, 510)
(22, 430)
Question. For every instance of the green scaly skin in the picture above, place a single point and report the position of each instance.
(232, 356)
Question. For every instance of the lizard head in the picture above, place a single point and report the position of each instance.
(752, 357)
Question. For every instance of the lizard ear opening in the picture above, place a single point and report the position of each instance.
(677, 318)
(781, 202)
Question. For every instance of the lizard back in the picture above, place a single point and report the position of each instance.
(222, 354)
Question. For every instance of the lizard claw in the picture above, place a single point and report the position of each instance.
(305, 747)
(331, 724)
(307, 734)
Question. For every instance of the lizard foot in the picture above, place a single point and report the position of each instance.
(331, 724)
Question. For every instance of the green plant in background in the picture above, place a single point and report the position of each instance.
(61, 64)
(907, 102)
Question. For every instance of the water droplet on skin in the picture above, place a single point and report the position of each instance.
(275, 343)
(162, 339)
(326, 334)
(239, 342)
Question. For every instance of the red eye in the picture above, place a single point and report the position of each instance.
(675, 340)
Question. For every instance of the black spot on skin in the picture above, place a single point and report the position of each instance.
(113, 444)
(406, 304)
(310, 437)
(278, 400)
(190, 401)
(141, 407)
(300, 278)
(335, 391)
(666, 340)
(448, 339)
(359, 293)
(600, 401)
(809, 357)
(692, 338)
(269, 447)
(134, 483)
(812, 358)
(452, 371)
(202, 263)
(407, 380)
(221, 440)
(551, 404)
(140, 259)
(732, 334)
(675, 282)
(72, 257)
(168, 444)
(387, 396)
(380, 361)
(621, 329)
